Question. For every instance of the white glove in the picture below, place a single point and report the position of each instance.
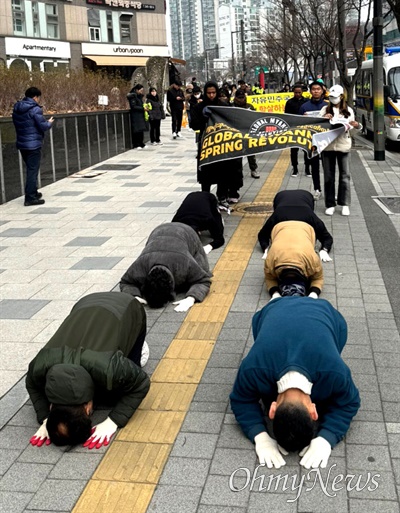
(324, 256)
(268, 451)
(316, 454)
(265, 254)
(141, 300)
(184, 304)
(314, 295)
(275, 295)
(41, 436)
(207, 249)
(101, 435)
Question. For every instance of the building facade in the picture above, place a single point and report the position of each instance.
(52, 34)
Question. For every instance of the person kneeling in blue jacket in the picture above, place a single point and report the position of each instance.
(295, 369)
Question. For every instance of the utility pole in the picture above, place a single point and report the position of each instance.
(243, 48)
(377, 87)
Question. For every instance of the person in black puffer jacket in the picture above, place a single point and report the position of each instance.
(156, 114)
(138, 122)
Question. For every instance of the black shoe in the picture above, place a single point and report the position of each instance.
(295, 172)
(308, 173)
(39, 195)
(34, 202)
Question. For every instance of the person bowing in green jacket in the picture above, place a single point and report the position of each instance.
(95, 355)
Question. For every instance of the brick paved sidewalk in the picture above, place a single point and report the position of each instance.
(83, 239)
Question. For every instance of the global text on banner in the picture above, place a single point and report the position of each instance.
(234, 132)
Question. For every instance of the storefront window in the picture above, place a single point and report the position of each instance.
(125, 27)
(18, 17)
(35, 18)
(110, 31)
(52, 21)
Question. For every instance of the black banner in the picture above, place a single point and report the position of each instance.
(235, 132)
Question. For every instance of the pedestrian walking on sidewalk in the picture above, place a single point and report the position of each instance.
(200, 211)
(295, 375)
(292, 106)
(176, 99)
(313, 107)
(338, 151)
(98, 351)
(173, 260)
(30, 126)
(138, 121)
(156, 114)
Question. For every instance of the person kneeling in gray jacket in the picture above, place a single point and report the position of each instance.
(173, 260)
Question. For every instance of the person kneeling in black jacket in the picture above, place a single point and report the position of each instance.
(96, 352)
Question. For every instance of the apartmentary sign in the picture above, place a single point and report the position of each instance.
(126, 4)
(21, 47)
(121, 50)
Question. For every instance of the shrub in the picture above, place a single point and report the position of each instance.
(76, 91)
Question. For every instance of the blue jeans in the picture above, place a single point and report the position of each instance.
(32, 162)
(329, 159)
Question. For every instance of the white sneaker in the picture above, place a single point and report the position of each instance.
(145, 354)
(153, 144)
(173, 135)
(159, 143)
(317, 194)
(179, 135)
(345, 211)
(330, 211)
(144, 147)
(139, 148)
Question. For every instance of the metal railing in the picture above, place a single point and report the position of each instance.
(76, 141)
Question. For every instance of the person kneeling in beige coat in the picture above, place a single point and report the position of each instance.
(292, 267)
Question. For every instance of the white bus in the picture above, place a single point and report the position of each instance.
(364, 95)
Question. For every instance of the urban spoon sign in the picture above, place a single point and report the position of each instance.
(121, 50)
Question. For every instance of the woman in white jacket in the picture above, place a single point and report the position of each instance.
(338, 151)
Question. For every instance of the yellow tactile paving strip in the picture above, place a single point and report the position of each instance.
(129, 472)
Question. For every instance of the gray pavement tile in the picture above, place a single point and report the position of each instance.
(391, 411)
(96, 198)
(396, 468)
(379, 485)
(19, 232)
(126, 177)
(371, 401)
(26, 416)
(226, 461)
(49, 454)
(394, 445)
(135, 184)
(232, 437)
(11, 502)
(185, 189)
(366, 382)
(365, 433)
(206, 406)
(87, 241)
(222, 376)
(387, 359)
(69, 193)
(276, 502)
(217, 491)
(185, 471)
(89, 263)
(228, 360)
(115, 167)
(76, 466)
(356, 351)
(24, 477)
(390, 393)
(367, 506)
(158, 339)
(227, 346)
(361, 365)
(162, 327)
(203, 422)
(8, 457)
(13, 436)
(20, 308)
(46, 210)
(236, 334)
(156, 204)
(220, 509)
(388, 376)
(212, 392)
(175, 499)
(57, 495)
(194, 445)
(368, 415)
(368, 457)
(245, 303)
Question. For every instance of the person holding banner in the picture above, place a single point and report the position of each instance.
(338, 151)
(313, 107)
(292, 106)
